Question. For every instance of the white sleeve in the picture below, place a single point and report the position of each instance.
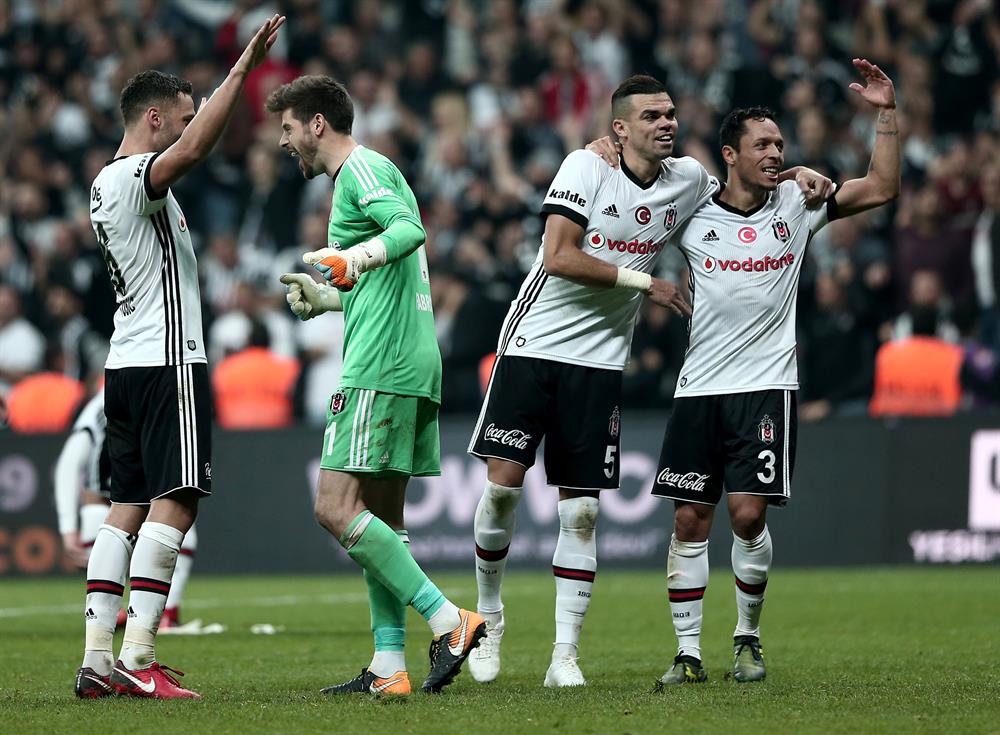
(136, 186)
(574, 188)
(820, 216)
(73, 459)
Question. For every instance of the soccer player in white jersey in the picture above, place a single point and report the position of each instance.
(83, 499)
(157, 399)
(562, 350)
(733, 423)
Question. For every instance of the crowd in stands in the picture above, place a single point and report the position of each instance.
(478, 101)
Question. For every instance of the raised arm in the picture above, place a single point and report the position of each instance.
(881, 184)
(205, 129)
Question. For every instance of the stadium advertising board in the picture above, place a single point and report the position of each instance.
(865, 492)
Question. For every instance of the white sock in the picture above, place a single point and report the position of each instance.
(387, 663)
(574, 565)
(445, 620)
(106, 574)
(92, 517)
(496, 516)
(751, 563)
(687, 578)
(152, 567)
(182, 570)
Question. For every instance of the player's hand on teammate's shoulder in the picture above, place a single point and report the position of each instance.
(878, 90)
(815, 187)
(668, 295)
(607, 149)
(260, 44)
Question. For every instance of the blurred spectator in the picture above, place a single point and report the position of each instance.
(44, 403)
(253, 387)
(22, 347)
(986, 257)
(918, 375)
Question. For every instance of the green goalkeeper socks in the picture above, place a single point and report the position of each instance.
(381, 553)
(388, 613)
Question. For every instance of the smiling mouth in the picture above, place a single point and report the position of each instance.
(665, 138)
(770, 171)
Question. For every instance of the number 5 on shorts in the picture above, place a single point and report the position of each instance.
(609, 461)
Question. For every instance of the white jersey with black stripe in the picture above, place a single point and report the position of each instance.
(93, 421)
(148, 252)
(745, 269)
(626, 223)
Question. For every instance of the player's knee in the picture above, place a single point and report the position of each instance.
(501, 500)
(748, 519)
(505, 473)
(692, 522)
(578, 513)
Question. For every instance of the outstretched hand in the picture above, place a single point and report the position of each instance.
(879, 90)
(260, 44)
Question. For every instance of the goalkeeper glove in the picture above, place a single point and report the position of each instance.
(343, 268)
(307, 299)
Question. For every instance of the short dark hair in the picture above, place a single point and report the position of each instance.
(635, 84)
(734, 125)
(313, 94)
(149, 88)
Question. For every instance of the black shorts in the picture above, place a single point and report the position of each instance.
(159, 431)
(741, 442)
(574, 408)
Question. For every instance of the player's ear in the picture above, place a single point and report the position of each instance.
(620, 128)
(317, 124)
(153, 117)
(729, 155)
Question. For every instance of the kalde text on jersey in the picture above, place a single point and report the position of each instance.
(508, 437)
(687, 481)
(569, 196)
(753, 264)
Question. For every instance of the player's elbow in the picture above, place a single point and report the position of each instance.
(552, 262)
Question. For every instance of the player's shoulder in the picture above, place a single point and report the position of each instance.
(683, 168)
(124, 169)
(583, 161)
(788, 197)
(370, 168)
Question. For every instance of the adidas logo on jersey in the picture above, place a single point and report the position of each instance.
(710, 236)
(611, 211)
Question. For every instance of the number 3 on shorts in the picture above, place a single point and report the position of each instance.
(768, 456)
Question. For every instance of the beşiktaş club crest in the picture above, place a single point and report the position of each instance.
(765, 429)
(781, 230)
(670, 218)
(337, 402)
(615, 423)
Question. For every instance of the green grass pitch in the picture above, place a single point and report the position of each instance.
(911, 650)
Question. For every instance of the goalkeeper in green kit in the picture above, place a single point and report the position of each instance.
(382, 421)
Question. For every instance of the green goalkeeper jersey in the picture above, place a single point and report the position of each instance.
(390, 344)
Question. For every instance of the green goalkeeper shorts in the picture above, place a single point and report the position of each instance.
(381, 434)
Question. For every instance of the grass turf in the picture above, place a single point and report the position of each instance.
(911, 650)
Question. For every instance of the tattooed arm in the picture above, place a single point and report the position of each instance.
(881, 184)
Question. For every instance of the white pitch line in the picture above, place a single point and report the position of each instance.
(209, 603)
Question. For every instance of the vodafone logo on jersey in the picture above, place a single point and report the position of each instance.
(750, 265)
(597, 241)
(747, 234)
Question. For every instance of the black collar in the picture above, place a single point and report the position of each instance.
(635, 179)
(730, 208)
